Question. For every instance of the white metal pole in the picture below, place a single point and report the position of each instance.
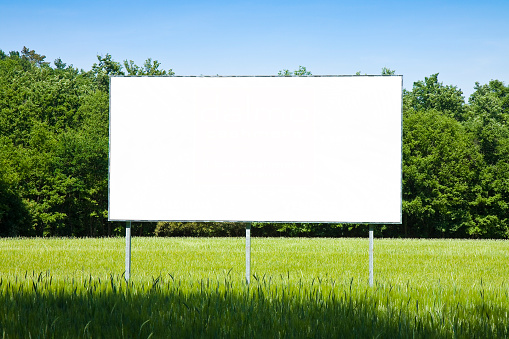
(371, 255)
(128, 250)
(248, 252)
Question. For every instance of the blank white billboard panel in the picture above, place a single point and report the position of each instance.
(299, 149)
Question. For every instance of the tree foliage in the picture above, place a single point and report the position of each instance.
(54, 156)
(33, 57)
(488, 117)
(440, 175)
(456, 158)
(54, 149)
(54, 145)
(385, 71)
(150, 67)
(431, 94)
(300, 72)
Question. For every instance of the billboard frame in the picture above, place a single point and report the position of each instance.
(248, 223)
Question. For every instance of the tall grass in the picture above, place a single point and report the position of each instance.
(183, 287)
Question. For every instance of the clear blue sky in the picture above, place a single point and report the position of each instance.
(465, 41)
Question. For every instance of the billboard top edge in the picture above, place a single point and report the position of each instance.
(271, 222)
(256, 76)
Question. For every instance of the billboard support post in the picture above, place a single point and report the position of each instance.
(127, 250)
(248, 252)
(371, 255)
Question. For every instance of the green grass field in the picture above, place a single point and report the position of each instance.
(195, 287)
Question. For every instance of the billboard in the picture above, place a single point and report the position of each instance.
(254, 149)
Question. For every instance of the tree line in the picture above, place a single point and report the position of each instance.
(54, 157)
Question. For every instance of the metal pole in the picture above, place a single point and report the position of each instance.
(128, 250)
(371, 255)
(248, 252)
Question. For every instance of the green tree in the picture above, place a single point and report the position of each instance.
(488, 117)
(33, 57)
(82, 154)
(490, 102)
(387, 71)
(59, 64)
(150, 67)
(302, 71)
(54, 147)
(440, 175)
(431, 94)
(13, 214)
(102, 71)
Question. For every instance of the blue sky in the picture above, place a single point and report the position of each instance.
(465, 41)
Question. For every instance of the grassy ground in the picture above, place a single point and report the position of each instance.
(194, 287)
